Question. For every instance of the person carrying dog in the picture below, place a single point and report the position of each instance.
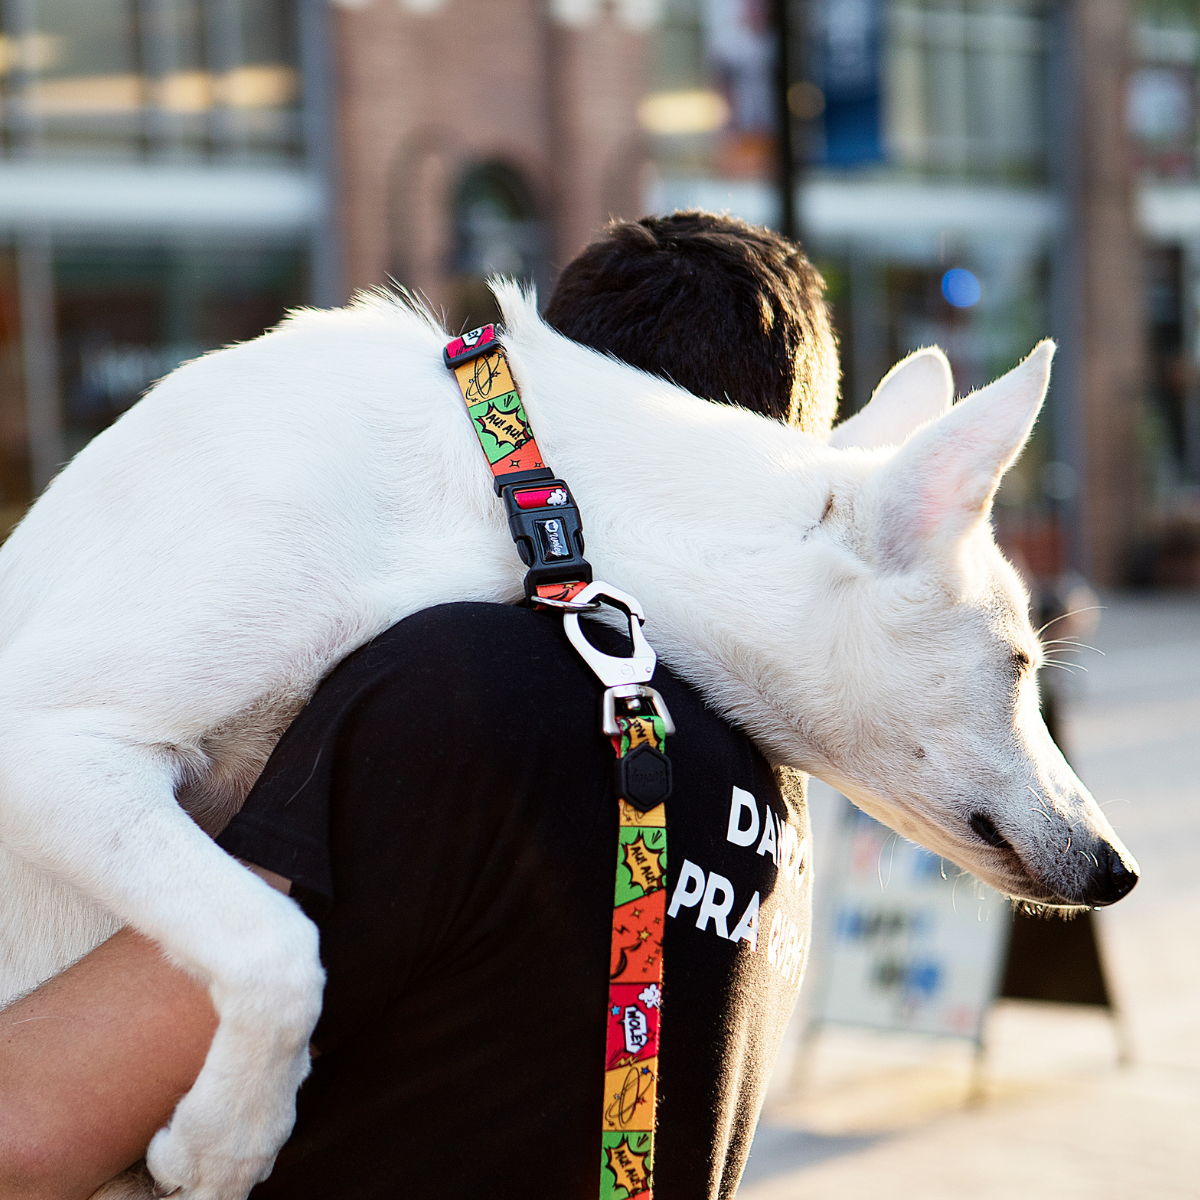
(443, 810)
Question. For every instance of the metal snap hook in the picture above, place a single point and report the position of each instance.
(609, 669)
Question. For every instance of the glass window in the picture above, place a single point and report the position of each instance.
(926, 87)
(1161, 101)
(82, 84)
(136, 78)
(965, 87)
(128, 314)
(1163, 116)
(710, 108)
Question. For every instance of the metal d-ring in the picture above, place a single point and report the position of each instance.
(567, 606)
(635, 692)
(609, 669)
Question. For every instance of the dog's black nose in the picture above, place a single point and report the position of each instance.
(1115, 878)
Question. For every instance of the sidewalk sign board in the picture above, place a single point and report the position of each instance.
(912, 945)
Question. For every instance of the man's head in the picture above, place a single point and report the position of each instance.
(730, 311)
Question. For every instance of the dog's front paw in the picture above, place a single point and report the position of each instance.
(198, 1158)
(214, 1172)
(224, 1135)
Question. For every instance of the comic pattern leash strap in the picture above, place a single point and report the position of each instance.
(547, 529)
(635, 986)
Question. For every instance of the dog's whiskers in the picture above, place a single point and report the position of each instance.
(1040, 805)
(1073, 613)
(1067, 645)
(1070, 668)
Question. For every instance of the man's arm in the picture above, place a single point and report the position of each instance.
(93, 1063)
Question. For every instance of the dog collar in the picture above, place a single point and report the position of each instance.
(546, 526)
(542, 516)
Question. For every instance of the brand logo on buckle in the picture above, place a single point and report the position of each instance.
(554, 539)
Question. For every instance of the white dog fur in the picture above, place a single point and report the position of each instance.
(181, 588)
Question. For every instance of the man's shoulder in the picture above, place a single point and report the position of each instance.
(465, 644)
(480, 668)
(460, 628)
(467, 668)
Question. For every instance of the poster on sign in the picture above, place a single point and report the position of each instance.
(912, 944)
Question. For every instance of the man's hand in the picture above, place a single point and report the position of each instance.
(93, 1063)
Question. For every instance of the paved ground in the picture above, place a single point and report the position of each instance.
(888, 1117)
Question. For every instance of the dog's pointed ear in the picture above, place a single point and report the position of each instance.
(940, 485)
(917, 389)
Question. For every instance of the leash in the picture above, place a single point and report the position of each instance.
(546, 526)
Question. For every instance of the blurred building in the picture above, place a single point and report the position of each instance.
(967, 182)
(161, 193)
(484, 136)
(1163, 118)
(976, 173)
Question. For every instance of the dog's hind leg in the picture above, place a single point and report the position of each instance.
(45, 925)
(134, 1184)
(99, 811)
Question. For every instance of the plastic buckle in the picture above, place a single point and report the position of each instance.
(548, 531)
(608, 668)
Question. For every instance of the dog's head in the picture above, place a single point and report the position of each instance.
(894, 657)
(929, 709)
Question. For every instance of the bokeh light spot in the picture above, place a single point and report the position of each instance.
(961, 288)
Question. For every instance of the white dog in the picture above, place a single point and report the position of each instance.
(184, 584)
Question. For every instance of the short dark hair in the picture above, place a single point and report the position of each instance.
(733, 312)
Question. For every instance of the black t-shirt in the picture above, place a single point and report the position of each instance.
(445, 808)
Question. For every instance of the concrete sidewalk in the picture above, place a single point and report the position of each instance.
(888, 1116)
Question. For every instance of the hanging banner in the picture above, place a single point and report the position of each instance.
(849, 38)
(911, 945)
